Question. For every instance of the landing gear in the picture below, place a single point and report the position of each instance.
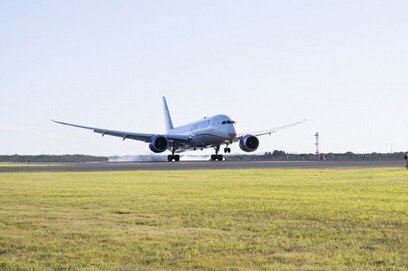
(174, 157)
(227, 149)
(217, 156)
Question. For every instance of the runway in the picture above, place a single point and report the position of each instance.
(196, 165)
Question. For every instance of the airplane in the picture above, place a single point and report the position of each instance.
(209, 132)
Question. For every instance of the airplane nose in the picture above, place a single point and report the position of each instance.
(232, 132)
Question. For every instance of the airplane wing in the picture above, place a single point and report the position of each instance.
(273, 130)
(126, 135)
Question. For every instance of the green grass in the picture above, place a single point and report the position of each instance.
(224, 219)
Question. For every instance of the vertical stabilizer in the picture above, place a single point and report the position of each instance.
(167, 118)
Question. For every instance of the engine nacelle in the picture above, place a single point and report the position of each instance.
(249, 143)
(158, 144)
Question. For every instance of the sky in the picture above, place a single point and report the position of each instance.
(343, 65)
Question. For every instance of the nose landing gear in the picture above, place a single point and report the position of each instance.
(227, 149)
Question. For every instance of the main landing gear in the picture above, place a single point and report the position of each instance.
(217, 156)
(174, 157)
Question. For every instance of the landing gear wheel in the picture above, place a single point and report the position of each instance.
(176, 158)
(172, 157)
(216, 157)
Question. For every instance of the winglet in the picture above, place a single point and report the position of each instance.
(167, 118)
(56, 121)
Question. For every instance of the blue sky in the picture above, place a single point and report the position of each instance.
(341, 64)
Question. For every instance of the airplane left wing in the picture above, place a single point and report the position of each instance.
(270, 131)
(125, 135)
(274, 130)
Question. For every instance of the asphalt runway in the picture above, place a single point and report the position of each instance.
(198, 165)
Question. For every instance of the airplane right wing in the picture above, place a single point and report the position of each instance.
(126, 135)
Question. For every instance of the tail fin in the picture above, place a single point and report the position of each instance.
(167, 118)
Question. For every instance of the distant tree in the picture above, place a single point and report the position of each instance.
(278, 153)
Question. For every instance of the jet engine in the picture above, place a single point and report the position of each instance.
(249, 143)
(158, 144)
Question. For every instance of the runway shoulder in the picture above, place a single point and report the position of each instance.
(197, 165)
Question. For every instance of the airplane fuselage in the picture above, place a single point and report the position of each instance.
(208, 132)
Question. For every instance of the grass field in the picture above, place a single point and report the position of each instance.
(234, 219)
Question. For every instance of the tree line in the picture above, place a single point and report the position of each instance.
(279, 155)
(276, 155)
(51, 158)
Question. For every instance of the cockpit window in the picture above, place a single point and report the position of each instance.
(228, 122)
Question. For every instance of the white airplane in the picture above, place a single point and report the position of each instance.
(211, 132)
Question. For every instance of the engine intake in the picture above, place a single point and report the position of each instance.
(158, 144)
(249, 143)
